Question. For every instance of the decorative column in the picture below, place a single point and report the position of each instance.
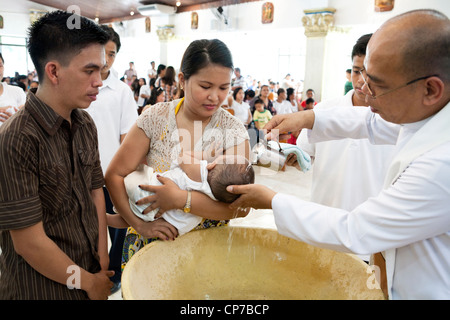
(317, 24)
(165, 34)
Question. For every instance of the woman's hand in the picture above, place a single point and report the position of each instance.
(158, 228)
(166, 197)
(252, 195)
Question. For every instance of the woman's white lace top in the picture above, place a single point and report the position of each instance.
(159, 124)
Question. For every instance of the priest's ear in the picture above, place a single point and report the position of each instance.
(434, 91)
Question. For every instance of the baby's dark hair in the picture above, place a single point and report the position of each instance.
(223, 175)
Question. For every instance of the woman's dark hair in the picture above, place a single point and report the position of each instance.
(152, 82)
(200, 53)
(289, 92)
(249, 94)
(169, 77)
(160, 68)
(135, 87)
(61, 35)
(156, 92)
(236, 91)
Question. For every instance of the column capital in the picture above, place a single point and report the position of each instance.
(318, 22)
(165, 32)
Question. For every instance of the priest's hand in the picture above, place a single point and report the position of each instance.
(252, 195)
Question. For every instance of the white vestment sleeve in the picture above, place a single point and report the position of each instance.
(352, 122)
(400, 215)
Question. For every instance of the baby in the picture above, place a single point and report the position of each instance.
(199, 175)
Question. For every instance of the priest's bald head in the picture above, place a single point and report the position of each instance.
(408, 66)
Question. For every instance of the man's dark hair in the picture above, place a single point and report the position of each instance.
(54, 37)
(309, 101)
(258, 100)
(360, 47)
(1, 57)
(113, 36)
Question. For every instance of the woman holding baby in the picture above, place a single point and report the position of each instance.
(195, 123)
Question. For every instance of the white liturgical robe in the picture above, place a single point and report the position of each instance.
(409, 219)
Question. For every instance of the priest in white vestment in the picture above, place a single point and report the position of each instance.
(407, 82)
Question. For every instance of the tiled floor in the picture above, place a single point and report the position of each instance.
(291, 181)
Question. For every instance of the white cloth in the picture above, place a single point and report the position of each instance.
(347, 172)
(145, 89)
(283, 107)
(241, 110)
(184, 222)
(240, 82)
(12, 96)
(294, 107)
(114, 112)
(151, 73)
(410, 218)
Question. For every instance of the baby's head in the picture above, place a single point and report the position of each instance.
(229, 170)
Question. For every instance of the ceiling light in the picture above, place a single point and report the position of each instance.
(178, 3)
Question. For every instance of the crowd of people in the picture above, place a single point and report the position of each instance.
(64, 168)
(245, 93)
(160, 85)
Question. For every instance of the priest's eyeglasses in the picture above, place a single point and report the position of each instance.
(373, 96)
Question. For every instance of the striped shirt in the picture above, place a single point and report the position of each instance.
(48, 169)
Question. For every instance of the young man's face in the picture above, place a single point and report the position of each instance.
(79, 81)
(110, 56)
(357, 80)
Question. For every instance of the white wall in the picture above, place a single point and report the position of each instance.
(361, 18)
(261, 50)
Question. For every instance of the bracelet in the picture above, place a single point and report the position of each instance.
(187, 206)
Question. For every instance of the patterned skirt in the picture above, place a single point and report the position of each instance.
(134, 241)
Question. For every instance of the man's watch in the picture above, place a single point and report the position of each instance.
(187, 206)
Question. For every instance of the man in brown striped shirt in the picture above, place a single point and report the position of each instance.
(52, 210)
